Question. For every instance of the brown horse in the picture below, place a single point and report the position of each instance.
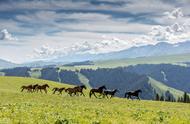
(70, 91)
(133, 93)
(60, 90)
(109, 92)
(42, 87)
(98, 90)
(79, 89)
(28, 88)
(75, 90)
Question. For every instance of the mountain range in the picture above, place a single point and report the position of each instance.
(6, 64)
(160, 49)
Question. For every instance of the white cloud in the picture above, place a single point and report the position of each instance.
(108, 44)
(176, 13)
(46, 52)
(104, 46)
(176, 32)
(5, 35)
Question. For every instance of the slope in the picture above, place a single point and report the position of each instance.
(32, 108)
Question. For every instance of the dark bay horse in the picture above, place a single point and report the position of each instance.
(79, 89)
(34, 87)
(60, 90)
(110, 92)
(133, 93)
(28, 88)
(98, 90)
(71, 91)
(75, 90)
(42, 87)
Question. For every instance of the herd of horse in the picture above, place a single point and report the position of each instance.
(78, 90)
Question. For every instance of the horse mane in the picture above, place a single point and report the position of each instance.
(103, 86)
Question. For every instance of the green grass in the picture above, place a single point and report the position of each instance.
(35, 72)
(37, 108)
(171, 59)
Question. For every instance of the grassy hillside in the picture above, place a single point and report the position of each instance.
(168, 59)
(17, 107)
(172, 59)
(160, 88)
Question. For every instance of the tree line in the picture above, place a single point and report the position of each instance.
(169, 98)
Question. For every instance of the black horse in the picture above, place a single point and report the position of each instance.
(98, 90)
(110, 92)
(133, 93)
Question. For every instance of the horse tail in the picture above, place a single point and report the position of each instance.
(90, 94)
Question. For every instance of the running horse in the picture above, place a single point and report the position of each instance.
(28, 88)
(75, 90)
(34, 87)
(60, 90)
(42, 87)
(70, 91)
(110, 92)
(133, 93)
(98, 90)
(79, 89)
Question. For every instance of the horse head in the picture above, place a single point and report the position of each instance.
(83, 86)
(116, 90)
(46, 85)
(139, 91)
(103, 87)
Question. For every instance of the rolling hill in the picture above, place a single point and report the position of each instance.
(178, 59)
(23, 107)
(149, 78)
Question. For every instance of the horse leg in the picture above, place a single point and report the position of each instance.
(103, 95)
(100, 95)
(54, 92)
(60, 92)
(94, 94)
(107, 95)
(28, 90)
(131, 97)
(76, 94)
(70, 93)
(90, 94)
(82, 93)
(45, 91)
(138, 98)
(111, 96)
(22, 89)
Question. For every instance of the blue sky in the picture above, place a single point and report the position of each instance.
(46, 29)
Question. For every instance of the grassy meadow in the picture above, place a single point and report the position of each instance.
(35, 108)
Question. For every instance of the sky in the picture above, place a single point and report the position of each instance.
(32, 30)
